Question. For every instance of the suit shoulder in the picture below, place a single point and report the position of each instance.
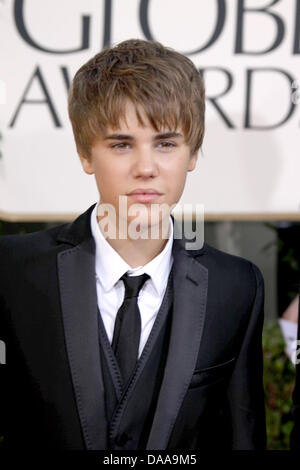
(232, 264)
(29, 243)
(236, 279)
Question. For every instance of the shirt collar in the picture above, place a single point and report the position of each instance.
(110, 266)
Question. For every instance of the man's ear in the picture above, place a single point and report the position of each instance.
(193, 161)
(86, 162)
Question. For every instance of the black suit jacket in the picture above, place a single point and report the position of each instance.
(52, 388)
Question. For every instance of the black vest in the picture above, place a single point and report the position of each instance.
(129, 413)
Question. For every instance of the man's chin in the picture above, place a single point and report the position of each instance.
(136, 221)
(145, 226)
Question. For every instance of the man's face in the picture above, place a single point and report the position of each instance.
(133, 158)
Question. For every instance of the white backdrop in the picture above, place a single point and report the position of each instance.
(249, 53)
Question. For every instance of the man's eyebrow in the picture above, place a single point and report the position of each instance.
(167, 135)
(118, 137)
(164, 135)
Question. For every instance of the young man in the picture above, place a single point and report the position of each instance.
(116, 339)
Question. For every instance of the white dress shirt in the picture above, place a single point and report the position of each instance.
(110, 266)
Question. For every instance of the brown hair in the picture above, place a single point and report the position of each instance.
(165, 83)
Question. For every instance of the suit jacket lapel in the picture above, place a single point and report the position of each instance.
(76, 273)
(190, 283)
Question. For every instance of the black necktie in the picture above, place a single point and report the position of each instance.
(127, 330)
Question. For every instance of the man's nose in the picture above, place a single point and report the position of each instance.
(145, 164)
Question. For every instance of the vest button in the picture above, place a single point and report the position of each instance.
(122, 439)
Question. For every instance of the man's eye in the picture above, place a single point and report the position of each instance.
(121, 146)
(166, 144)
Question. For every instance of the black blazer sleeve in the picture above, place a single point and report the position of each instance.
(246, 393)
(295, 434)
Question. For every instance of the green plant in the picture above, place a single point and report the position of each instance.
(279, 377)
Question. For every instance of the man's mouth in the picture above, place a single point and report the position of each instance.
(143, 195)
